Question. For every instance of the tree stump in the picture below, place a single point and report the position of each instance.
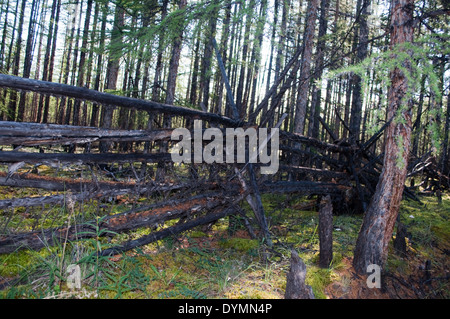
(325, 232)
(296, 287)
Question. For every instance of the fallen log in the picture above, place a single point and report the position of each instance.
(82, 93)
(34, 134)
(315, 172)
(82, 189)
(174, 230)
(304, 188)
(338, 165)
(57, 158)
(60, 199)
(149, 216)
(61, 184)
(317, 143)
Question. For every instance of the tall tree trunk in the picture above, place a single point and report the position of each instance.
(3, 44)
(418, 123)
(28, 57)
(205, 77)
(112, 70)
(174, 63)
(47, 58)
(95, 107)
(194, 81)
(159, 63)
(36, 97)
(317, 88)
(256, 54)
(4, 67)
(11, 116)
(68, 54)
(52, 61)
(355, 118)
(379, 219)
(82, 62)
(272, 47)
(444, 159)
(302, 97)
(223, 53)
(70, 102)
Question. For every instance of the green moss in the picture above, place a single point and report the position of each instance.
(197, 234)
(240, 244)
(318, 279)
(14, 264)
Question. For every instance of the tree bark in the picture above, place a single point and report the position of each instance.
(317, 88)
(11, 113)
(95, 107)
(379, 219)
(112, 70)
(173, 68)
(326, 232)
(302, 98)
(159, 63)
(81, 63)
(357, 103)
(296, 287)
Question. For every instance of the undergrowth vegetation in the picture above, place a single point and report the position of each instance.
(223, 261)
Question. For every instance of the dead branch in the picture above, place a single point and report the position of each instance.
(149, 216)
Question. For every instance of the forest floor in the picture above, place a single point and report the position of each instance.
(222, 261)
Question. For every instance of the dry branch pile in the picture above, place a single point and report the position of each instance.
(193, 194)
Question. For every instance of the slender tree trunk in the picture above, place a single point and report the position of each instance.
(379, 219)
(47, 58)
(256, 54)
(156, 91)
(417, 128)
(70, 102)
(302, 98)
(11, 116)
(194, 81)
(3, 44)
(36, 97)
(355, 118)
(65, 72)
(112, 70)
(3, 65)
(82, 62)
(317, 89)
(223, 50)
(272, 47)
(174, 62)
(205, 77)
(28, 61)
(95, 107)
(444, 159)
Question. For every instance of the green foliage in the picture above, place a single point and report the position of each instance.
(413, 60)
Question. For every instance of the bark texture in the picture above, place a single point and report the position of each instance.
(380, 217)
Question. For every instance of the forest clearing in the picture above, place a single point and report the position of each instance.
(218, 149)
